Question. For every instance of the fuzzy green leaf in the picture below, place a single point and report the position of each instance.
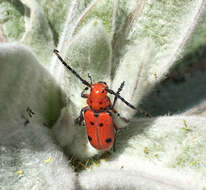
(25, 83)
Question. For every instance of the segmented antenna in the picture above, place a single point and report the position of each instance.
(118, 91)
(73, 71)
(109, 90)
(127, 103)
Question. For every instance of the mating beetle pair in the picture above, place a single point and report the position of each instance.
(97, 115)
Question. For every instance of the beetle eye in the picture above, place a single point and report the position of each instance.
(102, 91)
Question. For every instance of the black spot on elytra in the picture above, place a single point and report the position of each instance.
(109, 140)
(92, 123)
(101, 124)
(90, 138)
(96, 114)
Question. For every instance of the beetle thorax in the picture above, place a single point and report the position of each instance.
(98, 99)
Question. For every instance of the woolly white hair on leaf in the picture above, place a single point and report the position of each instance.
(177, 141)
(76, 15)
(30, 159)
(74, 11)
(134, 70)
(169, 152)
(37, 30)
(161, 146)
(64, 129)
(169, 35)
(26, 83)
(130, 179)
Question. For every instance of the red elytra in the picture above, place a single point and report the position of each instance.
(97, 115)
(100, 129)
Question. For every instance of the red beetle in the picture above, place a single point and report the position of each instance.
(97, 116)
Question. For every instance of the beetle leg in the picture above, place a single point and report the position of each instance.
(79, 119)
(83, 95)
(115, 126)
(118, 115)
(115, 136)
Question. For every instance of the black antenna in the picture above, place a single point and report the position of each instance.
(126, 102)
(73, 71)
(118, 91)
(109, 90)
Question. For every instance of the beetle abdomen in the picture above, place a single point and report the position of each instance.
(100, 129)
